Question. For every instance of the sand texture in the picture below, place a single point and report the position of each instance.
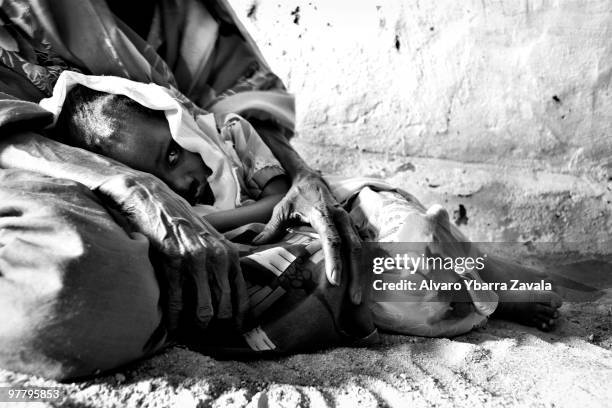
(503, 364)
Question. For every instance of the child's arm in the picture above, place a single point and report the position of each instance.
(260, 211)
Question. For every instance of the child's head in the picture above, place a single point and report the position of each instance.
(122, 129)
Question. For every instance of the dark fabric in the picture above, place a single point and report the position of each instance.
(78, 295)
(292, 307)
(20, 115)
(203, 58)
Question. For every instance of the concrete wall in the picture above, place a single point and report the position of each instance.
(501, 107)
(513, 81)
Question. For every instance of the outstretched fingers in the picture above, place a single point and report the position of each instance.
(220, 289)
(219, 264)
(204, 310)
(174, 283)
(240, 298)
(352, 249)
(331, 243)
(195, 265)
(313, 203)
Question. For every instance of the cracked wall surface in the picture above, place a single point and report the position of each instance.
(513, 81)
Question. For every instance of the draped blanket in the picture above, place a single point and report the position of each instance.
(203, 54)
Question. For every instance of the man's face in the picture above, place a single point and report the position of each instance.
(146, 144)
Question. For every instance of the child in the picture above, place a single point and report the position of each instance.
(122, 129)
(287, 310)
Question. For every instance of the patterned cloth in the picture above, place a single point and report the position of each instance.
(197, 49)
(289, 311)
(30, 57)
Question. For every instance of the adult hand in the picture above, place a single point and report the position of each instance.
(310, 200)
(194, 254)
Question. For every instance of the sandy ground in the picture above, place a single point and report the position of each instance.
(504, 364)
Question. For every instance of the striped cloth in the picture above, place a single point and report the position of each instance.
(289, 310)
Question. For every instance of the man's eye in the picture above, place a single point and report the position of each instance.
(173, 155)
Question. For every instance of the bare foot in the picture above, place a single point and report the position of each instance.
(537, 308)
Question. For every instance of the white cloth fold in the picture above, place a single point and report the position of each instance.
(195, 135)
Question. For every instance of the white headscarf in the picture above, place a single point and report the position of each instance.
(197, 136)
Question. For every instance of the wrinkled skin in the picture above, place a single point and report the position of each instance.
(309, 200)
(192, 252)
